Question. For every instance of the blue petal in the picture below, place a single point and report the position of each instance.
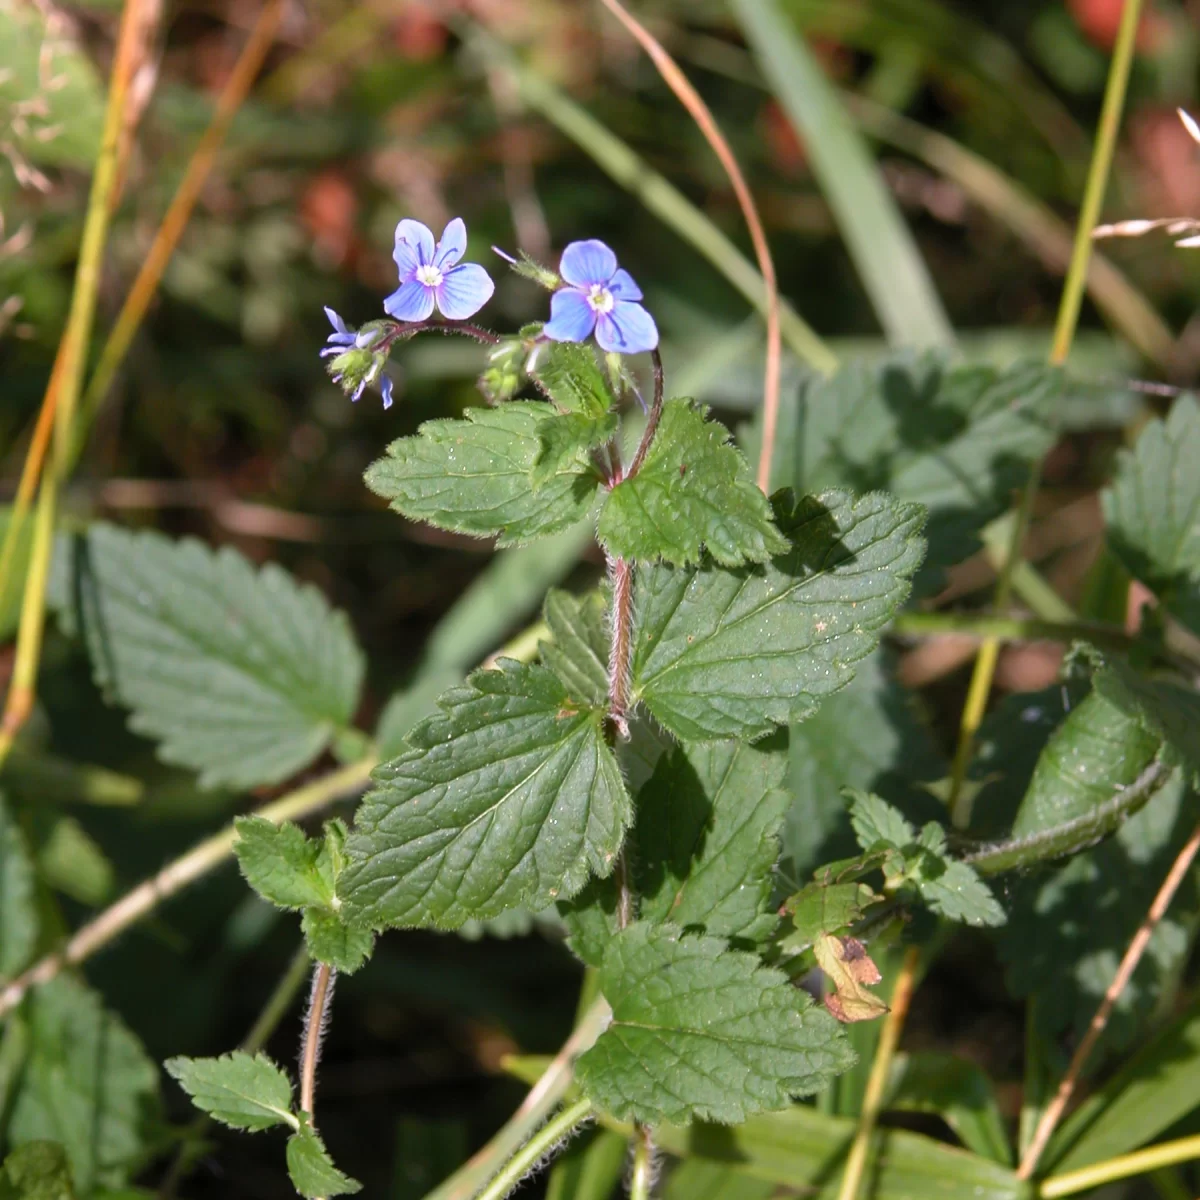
(464, 291)
(338, 324)
(628, 329)
(414, 247)
(571, 317)
(585, 263)
(622, 286)
(385, 387)
(452, 246)
(412, 301)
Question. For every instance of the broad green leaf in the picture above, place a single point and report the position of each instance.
(566, 441)
(331, 940)
(1069, 927)
(875, 821)
(958, 439)
(957, 1091)
(578, 650)
(573, 379)
(702, 850)
(473, 476)
(509, 796)
(311, 1169)
(241, 674)
(240, 1090)
(803, 1150)
(1152, 509)
(18, 897)
(878, 240)
(733, 653)
(869, 736)
(410, 706)
(1156, 1088)
(37, 1171)
(88, 1084)
(701, 1031)
(590, 1168)
(694, 491)
(282, 865)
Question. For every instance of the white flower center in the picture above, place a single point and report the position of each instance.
(600, 299)
(429, 275)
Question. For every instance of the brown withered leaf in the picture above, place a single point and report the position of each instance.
(850, 970)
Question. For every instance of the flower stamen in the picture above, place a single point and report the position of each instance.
(600, 299)
(429, 275)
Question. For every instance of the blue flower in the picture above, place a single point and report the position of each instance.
(354, 364)
(429, 274)
(601, 296)
(340, 338)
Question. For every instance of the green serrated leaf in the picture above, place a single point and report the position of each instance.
(953, 889)
(570, 375)
(510, 796)
(240, 1090)
(958, 439)
(312, 1170)
(723, 653)
(241, 674)
(473, 476)
(875, 821)
(702, 850)
(331, 940)
(1152, 507)
(823, 908)
(37, 1171)
(566, 441)
(694, 491)
(578, 650)
(282, 865)
(701, 1031)
(18, 897)
(88, 1084)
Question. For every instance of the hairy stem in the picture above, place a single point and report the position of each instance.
(316, 1021)
(1133, 956)
(543, 1097)
(652, 418)
(620, 574)
(547, 1139)
(405, 329)
(177, 875)
(641, 1178)
(1064, 333)
(885, 1052)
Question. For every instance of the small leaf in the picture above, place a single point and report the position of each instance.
(701, 1031)
(331, 940)
(578, 651)
(37, 1171)
(509, 796)
(953, 888)
(282, 865)
(694, 490)
(566, 441)
(241, 674)
(473, 476)
(875, 821)
(851, 972)
(18, 897)
(825, 908)
(238, 1089)
(570, 375)
(734, 653)
(1152, 505)
(87, 1083)
(312, 1170)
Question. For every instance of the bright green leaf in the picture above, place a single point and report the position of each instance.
(875, 821)
(282, 865)
(473, 476)
(240, 1090)
(241, 674)
(88, 1083)
(733, 653)
(312, 1170)
(578, 650)
(572, 378)
(1152, 509)
(331, 940)
(701, 1031)
(509, 796)
(37, 1171)
(18, 897)
(952, 889)
(566, 441)
(695, 490)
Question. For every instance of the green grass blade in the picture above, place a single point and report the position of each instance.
(879, 242)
